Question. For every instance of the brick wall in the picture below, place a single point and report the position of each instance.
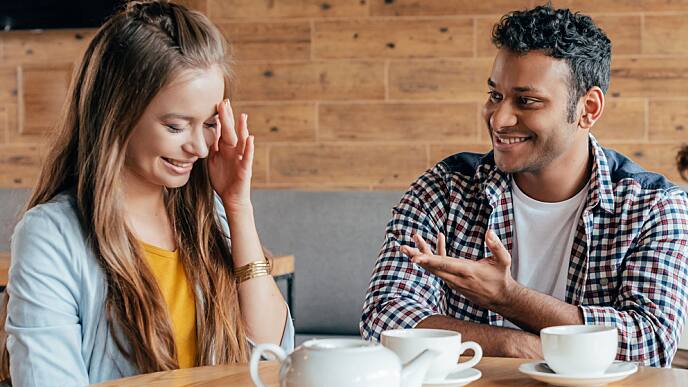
(366, 94)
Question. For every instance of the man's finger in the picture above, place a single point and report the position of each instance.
(441, 245)
(410, 251)
(499, 252)
(422, 244)
(438, 264)
(455, 281)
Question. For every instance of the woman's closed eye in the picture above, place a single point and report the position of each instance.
(174, 128)
(178, 129)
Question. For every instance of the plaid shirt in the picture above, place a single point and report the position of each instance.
(628, 266)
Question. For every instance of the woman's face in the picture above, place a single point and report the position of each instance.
(177, 128)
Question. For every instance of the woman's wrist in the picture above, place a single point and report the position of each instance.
(252, 270)
(237, 207)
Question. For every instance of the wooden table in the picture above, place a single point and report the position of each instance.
(496, 372)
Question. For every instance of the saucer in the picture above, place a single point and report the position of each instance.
(454, 379)
(540, 371)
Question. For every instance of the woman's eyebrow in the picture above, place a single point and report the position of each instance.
(176, 116)
(184, 117)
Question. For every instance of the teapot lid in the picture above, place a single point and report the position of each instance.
(340, 345)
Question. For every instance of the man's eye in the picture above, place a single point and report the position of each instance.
(525, 101)
(494, 96)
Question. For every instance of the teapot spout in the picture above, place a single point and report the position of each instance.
(414, 371)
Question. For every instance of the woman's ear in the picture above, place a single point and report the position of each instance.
(593, 106)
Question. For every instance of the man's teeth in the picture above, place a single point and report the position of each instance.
(178, 164)
(512, 140)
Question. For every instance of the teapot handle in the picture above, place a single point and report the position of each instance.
(255, 359)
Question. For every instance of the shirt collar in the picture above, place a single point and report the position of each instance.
(496, 182)
(601, 188)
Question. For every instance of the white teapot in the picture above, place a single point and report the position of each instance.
(345, 363)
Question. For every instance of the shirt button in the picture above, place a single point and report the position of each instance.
(604, 281)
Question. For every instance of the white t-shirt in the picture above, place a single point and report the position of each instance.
(543, 238)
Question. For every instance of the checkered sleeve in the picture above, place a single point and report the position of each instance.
(401, 294)
(652, 301)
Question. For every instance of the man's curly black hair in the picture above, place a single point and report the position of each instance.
(561, 34)
(682, 162)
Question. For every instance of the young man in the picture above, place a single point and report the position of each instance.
(547, 229)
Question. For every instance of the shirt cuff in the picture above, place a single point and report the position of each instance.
(287, 343)
(598, 315)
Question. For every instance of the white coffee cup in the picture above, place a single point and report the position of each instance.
(579, 349)
(409, 343)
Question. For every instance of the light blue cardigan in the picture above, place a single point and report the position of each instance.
(58, 332)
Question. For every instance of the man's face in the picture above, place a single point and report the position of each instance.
(526, 111)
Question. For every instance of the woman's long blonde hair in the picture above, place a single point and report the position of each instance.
(131, 57)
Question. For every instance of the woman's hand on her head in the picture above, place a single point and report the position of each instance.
(230, 162)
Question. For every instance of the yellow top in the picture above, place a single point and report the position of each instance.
(179, 297)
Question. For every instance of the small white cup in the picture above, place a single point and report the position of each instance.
(409, 343)
(579, 349)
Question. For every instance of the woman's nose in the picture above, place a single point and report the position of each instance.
(199, 143)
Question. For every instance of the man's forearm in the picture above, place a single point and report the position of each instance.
(533, 311)
(495, 341)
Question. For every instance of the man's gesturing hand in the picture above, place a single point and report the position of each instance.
(487, 282)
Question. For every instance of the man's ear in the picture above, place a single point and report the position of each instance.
(593, 106)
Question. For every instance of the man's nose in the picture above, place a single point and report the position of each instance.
(503, 116)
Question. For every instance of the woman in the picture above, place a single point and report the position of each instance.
(122, 264)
